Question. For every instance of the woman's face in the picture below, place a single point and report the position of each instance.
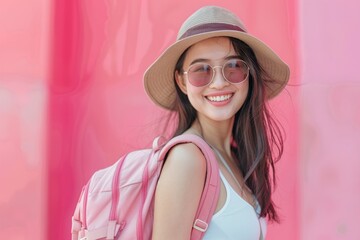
(220, 100)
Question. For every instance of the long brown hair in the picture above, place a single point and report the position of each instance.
(257, 141)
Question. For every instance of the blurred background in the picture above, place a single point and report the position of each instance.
(72, 101)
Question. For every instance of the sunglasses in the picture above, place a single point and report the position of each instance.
(233, 70)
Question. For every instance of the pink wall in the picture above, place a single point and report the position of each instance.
(24, 42)
(79, 67)
(330, 120)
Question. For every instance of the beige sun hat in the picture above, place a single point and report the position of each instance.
(207, 22)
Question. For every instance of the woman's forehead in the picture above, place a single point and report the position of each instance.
(211, 49)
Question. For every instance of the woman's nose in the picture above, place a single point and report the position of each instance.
(219, 80)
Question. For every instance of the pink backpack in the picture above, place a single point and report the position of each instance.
(117, 202)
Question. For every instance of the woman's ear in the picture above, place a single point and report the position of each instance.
(180, 80)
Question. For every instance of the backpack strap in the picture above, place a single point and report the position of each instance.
(79, 217)
(76, 223)
(210, 194)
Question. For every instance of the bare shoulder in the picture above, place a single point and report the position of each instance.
(178, 192)
(187, 157)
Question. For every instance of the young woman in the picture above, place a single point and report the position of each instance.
(217, 79)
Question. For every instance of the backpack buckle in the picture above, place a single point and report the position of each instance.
(200, 225)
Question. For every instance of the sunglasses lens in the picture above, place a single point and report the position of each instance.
(200, 74)
(235, 70)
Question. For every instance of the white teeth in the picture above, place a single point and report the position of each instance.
(219, 98)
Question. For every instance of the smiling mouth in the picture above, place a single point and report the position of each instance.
(219, 98)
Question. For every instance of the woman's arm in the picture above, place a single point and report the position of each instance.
(178, 192)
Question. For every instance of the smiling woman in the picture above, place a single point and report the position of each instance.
(221, 97)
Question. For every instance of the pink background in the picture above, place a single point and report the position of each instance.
(72, 101)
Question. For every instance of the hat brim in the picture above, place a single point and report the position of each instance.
(159, 77)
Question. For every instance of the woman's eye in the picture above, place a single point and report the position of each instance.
(233, 64)
(201, 68)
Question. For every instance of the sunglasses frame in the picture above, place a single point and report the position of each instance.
(222, 72)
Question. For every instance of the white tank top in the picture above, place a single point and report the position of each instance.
(237, 219)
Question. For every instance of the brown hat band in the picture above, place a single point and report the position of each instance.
(209, 27)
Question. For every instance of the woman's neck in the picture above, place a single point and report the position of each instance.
(217, 134)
